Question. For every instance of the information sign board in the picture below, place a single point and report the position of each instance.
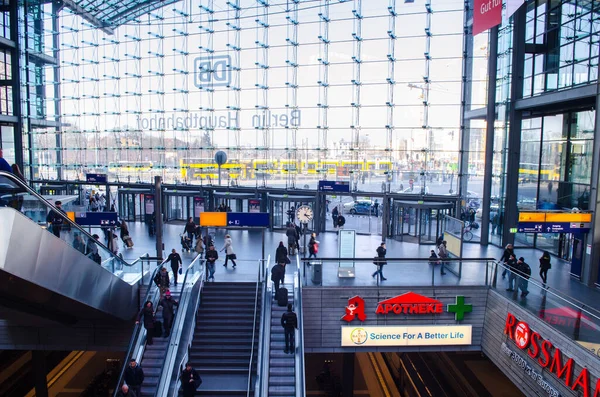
(96, 178)
(215, 219)
(334, 186)
(346, 249)
(408, 335)
(109, 219)
(247, 219)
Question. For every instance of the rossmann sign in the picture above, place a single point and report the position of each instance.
(550, 357)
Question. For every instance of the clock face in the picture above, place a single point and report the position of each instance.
(304, 214)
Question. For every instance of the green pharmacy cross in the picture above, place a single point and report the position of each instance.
(459, 308)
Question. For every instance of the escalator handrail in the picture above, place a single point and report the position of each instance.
(258, 280)
(262, 382)
(51, 206)
(299, 359)
(173, 343)
(136, 331)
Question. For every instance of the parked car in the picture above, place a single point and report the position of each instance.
(359, 207)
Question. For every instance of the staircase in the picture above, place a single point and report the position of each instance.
(282, 378)
(154, 356)
(222, 342)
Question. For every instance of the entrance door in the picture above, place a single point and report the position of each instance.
(283, 212)
(131, 206)
(178, 207)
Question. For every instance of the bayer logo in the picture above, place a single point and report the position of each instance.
(522, 335)
(358, 336)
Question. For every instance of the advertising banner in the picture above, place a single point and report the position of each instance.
(149, 203)
(198, 206)
(254, 205)
(486, 14)
(410, 335)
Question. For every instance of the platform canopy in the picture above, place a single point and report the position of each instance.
(108, 15)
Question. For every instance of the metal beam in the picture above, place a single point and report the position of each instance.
(87, 16)
(476, 114)
(557, 98)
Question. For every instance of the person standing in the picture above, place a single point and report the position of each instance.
(4, 166)
(176, 263)
(127, 392)
(228, 248)
(278, 275)
(380, 261)
(376, 208)
(524, 272)
(147, 315)
(168, 304)
(78, 243)
(292, 237)
(162, 281)
(199, 246)
(134, 377)
(334, 216)
(190, 380)
(508, 251)
(190, 229)
(211, 258)
(512, 268)
(433, 258)
(443, 254)
(55, 219)
(92, 249)
(281, 254)
(313, 246)
(124, 233)
(545, 265)
(289, 322)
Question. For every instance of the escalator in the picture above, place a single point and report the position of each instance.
(66, 278)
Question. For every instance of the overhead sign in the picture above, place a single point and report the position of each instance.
(409, 303)
(334, 186)
(553, 227)
(548, 356)
(96, 219)
(410, 335)
(96, 178)
(214, 219)
(234, 219)
(486, 14)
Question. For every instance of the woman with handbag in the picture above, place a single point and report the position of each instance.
(380, 261)
(229, 254)
(313, 246)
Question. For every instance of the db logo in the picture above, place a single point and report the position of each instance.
(522, 335)
(215, 70)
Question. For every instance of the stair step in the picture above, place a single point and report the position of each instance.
(282, 390)
(282, 371)
(221, 355)
(282, 362)
(282, 381)
(223, 347)
(155, 354)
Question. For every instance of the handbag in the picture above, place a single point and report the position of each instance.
(232, 256)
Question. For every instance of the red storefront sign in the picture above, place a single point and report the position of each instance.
(355, 308)
(548, 356)
(486, 14)
(410, 303)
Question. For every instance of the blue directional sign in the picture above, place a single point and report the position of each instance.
(553, 227)
(530, 227)
(95, 178)
(333, 186)
(247, 219)
(107, 219)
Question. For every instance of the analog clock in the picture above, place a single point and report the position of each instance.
(304, 214)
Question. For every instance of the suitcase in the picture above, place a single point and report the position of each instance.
(282, 296)
(158, 329)
(128, 242)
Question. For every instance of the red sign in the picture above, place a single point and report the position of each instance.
(410, 303)
(548, 356)
(486, 14)
(355, 308)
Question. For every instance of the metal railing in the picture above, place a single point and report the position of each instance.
(137, 336)
(168, 367)
(299, 358)
(258, 281)
(262, 382)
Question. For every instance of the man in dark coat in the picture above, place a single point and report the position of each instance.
(277, 276)
(134, 377)
(176, 263)
(289, 322)
(56, 219)
(524, 271)
(162, 281)
(211, 258)
(168, 304)
(147, 316)
(190, 380)
(126, 391)
(513, 267)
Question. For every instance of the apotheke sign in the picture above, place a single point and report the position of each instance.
(426, 335)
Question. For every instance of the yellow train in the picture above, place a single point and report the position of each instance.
(129, 167)
(208, 169)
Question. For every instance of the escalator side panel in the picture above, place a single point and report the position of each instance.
(31, 253)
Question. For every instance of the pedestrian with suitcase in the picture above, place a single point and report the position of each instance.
(168, 310)
(211, 258)
(176, 263)
(277, 276)
(229, 254)
(147, 316)
(289, 322)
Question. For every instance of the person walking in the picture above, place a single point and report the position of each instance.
(134, 377)
(334, 216)
(228, 248)
(508, 251)
(278, 275)
(380, 261)
(199, 248)
(190, 229)
(281, 254)
(168, 309)
(376, 207)
(525, 273)
(443, 254)
(124, 234)
(211, 258)
(545, 265)
(433, 258)
(147, 315)
(190, 380)
(78, 243)
(512, 268)
(55, 218)
(313, 246)
(162, 281)
(289, 322)
(176, 263)
(292, 238)
(92, 249)
(126, 391)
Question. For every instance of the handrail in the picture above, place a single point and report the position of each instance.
(258, 279)
(265, 350)
(136, 331)
(299, 358)
(566, 298)
(166, 369)
(18, 182)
